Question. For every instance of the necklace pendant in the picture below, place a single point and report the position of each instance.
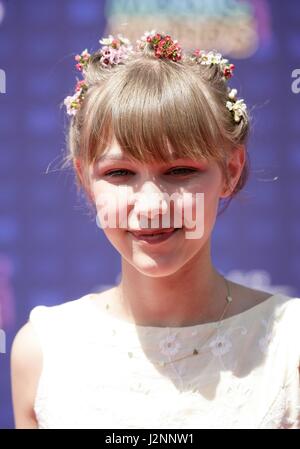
(195, 352)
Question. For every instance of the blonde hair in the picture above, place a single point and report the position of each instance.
(151, 104)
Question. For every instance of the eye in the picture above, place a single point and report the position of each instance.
(116, 173)
(182, 171)
(174, 171)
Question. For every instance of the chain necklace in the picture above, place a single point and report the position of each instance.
(196, 351)
(228, 300)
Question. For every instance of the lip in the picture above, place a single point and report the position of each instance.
(152, 231)
(161, 236)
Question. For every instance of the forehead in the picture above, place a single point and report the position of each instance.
(115, 152)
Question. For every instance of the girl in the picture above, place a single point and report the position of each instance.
(156, 139)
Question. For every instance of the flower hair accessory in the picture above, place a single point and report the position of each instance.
(213, 58)
(82, 60)
(237, 107)
(164, 46)
(115, 51)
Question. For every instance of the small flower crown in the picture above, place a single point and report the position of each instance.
(115, 51)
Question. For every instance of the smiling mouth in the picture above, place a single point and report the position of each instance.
(156, 236)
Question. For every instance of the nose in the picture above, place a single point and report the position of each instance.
(150, 201)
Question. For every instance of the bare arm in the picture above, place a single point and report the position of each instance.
(26, 366)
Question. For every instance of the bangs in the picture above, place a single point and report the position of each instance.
(158, 111)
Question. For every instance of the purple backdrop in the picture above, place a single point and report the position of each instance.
(51, 251)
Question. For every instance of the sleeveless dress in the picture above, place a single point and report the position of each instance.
(100, 371)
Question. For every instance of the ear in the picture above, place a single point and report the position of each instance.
(235, 165)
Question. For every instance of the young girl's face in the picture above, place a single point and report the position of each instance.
(135, 192)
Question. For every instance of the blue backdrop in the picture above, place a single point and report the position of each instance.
(51, 251)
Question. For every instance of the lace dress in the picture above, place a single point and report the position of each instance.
(102, 372)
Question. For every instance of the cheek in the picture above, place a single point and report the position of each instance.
(111, 206)
(118, 239)
(211, 201)
(203, 207)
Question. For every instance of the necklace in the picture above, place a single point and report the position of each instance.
(196, 351)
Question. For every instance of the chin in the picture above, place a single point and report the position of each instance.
(155, 266)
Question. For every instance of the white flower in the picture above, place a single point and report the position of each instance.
(169, 345)
(212, 57)
(85, 53)
(106, 40)
(148, 33)
(143, 39)
(232, 94)
(124, 40)
(70, 102)
(238, 108)
(220, 345)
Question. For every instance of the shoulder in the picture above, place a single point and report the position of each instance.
(288, 312)
(280, 317)
(58, 309)
(49, 318)
(269, 308)
(26, 365)
(25, 344)
(277, 316)
(248, 298)
(30, 348)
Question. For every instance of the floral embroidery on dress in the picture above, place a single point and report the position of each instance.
(264, 342)
(223, 343)
(169, 345)
(105, 376)
(220, 345)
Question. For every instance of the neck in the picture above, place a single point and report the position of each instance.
(194, 294)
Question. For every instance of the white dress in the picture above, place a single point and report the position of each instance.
(100, 371)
